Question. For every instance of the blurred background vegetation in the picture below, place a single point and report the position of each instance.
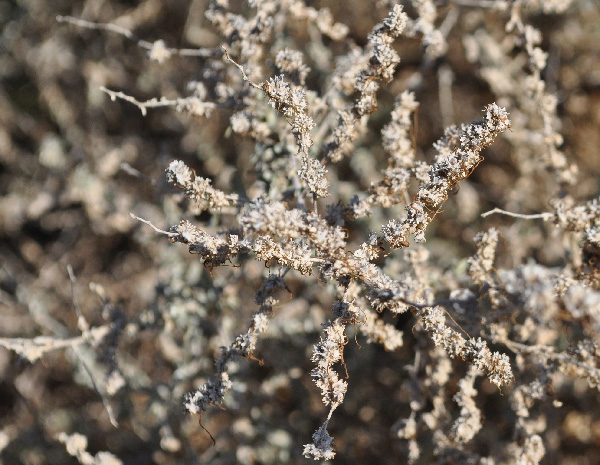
(73, 165)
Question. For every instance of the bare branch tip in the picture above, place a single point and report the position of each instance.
(162, 231)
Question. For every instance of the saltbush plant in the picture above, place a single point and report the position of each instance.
(391, 255)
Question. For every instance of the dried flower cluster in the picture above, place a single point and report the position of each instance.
(341, 269)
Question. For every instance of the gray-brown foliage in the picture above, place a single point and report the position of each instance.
(369, 234)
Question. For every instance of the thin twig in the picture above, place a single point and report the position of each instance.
(499, 4)
(191, 104)
(84, 327)
(241, 68)
(107, 406)
(545, 216)
(440, 303)
(193, 52)
(131, 171)
(153, 227)
(143, 106)
(82, 324)
(35, 348)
